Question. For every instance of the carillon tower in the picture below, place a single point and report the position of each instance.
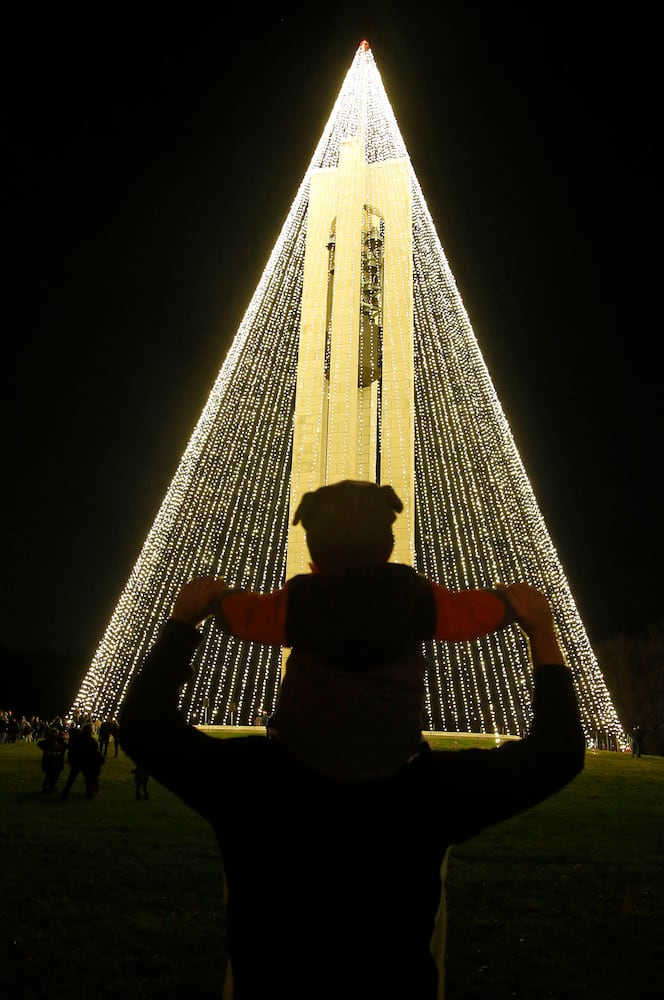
(354, 397)
(355, 359)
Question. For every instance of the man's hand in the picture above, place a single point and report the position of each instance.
(533, 614)
(198, 599)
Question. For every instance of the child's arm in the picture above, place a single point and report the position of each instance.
(468, 614)
(246, 615)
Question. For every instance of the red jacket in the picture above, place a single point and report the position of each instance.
(351, 702)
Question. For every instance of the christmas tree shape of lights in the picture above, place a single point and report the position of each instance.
(471, 517)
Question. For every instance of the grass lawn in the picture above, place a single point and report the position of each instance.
(118, 898)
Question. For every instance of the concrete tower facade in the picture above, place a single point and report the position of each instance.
(354, 400)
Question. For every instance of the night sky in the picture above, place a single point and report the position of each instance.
(152, 166)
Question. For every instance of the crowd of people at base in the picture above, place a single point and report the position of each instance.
(79, 741)
(15, 728)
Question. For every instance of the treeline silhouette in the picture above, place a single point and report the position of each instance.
(633, 668)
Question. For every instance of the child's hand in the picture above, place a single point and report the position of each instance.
(534, 615)
(531, 608)
(198, 599)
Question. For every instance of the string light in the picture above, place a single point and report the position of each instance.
(475, 519)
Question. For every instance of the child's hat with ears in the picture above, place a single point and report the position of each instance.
(349, 523)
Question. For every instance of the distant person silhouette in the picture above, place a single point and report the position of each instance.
(84, 757)
(53, 747)
(141, 779)
(637, 741)
(105, 736)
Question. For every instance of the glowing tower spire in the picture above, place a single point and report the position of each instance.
(355, 359)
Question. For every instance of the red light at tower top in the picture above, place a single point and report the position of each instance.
(364, 46)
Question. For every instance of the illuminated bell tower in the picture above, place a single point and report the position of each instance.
(355, 359)
(354, 402)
